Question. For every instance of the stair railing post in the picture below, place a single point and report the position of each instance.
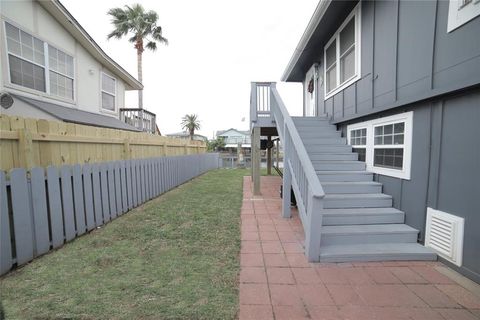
(287, 180)
(313, 232)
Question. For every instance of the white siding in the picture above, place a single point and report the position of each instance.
(34, 19)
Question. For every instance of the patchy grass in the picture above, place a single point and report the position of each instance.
(176, 257)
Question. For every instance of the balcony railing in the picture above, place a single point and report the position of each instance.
(298, 172)
(139, 118)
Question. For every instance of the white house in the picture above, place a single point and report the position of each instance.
(52, 69)
(232, 137)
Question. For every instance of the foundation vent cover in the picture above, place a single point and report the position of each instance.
(444, 234)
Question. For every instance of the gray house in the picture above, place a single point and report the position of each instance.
(385, 162)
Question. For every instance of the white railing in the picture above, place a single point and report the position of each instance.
(298, 170)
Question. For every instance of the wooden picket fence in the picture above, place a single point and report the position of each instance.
(28, 143)
(40, 209)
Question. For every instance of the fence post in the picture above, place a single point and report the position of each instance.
(25, 148)
(46, 156)
(127, 152)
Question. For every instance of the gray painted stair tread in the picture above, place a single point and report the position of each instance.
(376, 252)
(364, 211)
(357, 196)
(359, 183)
(341, 172)
(368, 229)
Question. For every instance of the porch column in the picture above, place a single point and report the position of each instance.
(256, 158)
(269, 156)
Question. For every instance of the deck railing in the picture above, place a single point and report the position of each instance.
(298, 169)
(139, 118)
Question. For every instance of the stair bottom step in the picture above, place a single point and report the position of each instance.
(376, 252)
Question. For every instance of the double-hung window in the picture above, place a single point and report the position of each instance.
(385, 144)
(342, 55)
(358, 140)
(36, 65)
(108, 92)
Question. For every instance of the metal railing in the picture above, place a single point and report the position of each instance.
(298, 169)
(139, 118)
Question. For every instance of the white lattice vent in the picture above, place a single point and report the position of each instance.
(444, 234)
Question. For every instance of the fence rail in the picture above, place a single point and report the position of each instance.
(29, 143)
(42, 209)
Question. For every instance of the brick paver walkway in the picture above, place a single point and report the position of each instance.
(277, 282)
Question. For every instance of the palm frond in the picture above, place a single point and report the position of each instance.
(151, 45)
(157, 35)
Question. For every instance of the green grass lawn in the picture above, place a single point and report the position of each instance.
(176, 257)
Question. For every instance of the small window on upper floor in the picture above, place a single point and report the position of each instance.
(342, 55)
(462, 11)
(108, 92)
(36, 65)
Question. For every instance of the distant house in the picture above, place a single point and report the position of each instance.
(384, 162)
(233, 137)
(186, 136)
(52, 69)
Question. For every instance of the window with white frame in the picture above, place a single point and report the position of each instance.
(342, 55)
(461, 11)
(358, 140)
(386, 143)
(108, 92)
(36, 65)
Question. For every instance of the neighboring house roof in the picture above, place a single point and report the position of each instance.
(57, 10)
(322, 25)
(185, 135)
(76, 116)
(221, 132)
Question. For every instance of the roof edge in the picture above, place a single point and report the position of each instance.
(56, 5)
(307, 34)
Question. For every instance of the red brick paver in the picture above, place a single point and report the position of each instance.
(277, 282)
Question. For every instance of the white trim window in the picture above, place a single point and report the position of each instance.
(37, 65)
(342, 55)
(461, 11)
(358, 140)
(386, 143)
(109, 85)
(61, 73)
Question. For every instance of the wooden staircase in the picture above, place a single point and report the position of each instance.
(359, 222)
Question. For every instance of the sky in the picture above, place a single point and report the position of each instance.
(216, 48)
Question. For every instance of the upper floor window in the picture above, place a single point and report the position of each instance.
(342, 55)
(385, 144)
(462, 11)
(108, 92)
(36, 65)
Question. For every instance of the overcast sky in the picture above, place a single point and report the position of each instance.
(216, 49)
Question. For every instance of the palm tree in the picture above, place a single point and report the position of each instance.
(142, 27)
(190, 123)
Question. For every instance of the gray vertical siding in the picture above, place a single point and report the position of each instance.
(445, 171)
(407, 55)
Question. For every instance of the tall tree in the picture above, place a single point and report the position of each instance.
(190, 123)
(142, 26)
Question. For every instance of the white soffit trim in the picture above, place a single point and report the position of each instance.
(307, 34)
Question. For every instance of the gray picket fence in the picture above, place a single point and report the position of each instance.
(40, 210)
